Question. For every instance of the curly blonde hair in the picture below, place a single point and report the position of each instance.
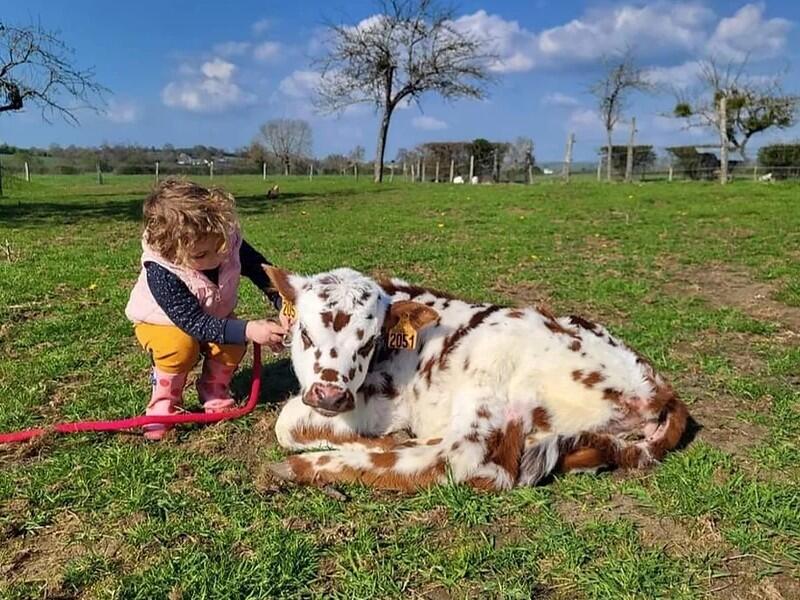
(179, 213)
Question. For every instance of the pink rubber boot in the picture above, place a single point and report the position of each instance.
(166, 399)
(212, 386)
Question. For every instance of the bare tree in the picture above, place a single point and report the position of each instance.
(753, 104)
(357, 154)
(410, 48)
(36, 68)
(622, 76)
(287, 139)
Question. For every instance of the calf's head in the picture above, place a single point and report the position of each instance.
(340, 320)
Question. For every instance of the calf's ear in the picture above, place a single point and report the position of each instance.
(287, 284)
(418, 315)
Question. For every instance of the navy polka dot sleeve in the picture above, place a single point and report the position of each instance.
(182, 307)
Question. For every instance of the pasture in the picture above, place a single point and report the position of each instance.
(702, 279)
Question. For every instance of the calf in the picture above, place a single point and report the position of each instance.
(493, 396)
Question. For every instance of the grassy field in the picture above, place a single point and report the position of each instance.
(703, 280)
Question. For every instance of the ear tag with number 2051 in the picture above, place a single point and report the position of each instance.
(287, 309)
(402, 336)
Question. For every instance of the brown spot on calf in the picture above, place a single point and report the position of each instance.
(383, 460)
(330, 375)
(504, 448)
(541, 419)
(308, 434)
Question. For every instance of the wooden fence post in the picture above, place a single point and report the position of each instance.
(156, 171)
(264, 170)
(452, 169)
(27, 172)
(568, 157)
(723, 135)
(471, 167)
(436, 177)
(211, 170)
(629, 158)
(669, 177)
(99, 174)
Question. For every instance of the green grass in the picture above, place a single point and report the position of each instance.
(101, 516)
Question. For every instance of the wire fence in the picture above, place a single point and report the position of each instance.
(466, 170)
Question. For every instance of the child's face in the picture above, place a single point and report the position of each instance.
(205, 254)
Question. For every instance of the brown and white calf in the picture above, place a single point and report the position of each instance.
(493, 396)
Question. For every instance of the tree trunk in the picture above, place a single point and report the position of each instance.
(286, 165)
(381, 148)
(609, 149)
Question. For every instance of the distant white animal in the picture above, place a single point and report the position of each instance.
(767, 177)
(547, 171)
(458, 179)
(474, 180)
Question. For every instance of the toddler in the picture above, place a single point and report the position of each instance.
(182, 304)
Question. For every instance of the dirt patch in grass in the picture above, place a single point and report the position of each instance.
(245, 446)
(524, 293)
(718, 423)
(722, 286)
(42, 557)
(747, 577)
(673, 535)
(716, 413)
(735, 576)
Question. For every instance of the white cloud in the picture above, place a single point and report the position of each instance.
(428, 123)
(300, 84)
(267, 51)
(559, 99)
(211, 90)
(584, 121)
(748, 34)
(513, 45)
(652, 29)
(122, 111)
(228, 49)
(261, 26)
(680, 76)
(218, 69)
(657, 29)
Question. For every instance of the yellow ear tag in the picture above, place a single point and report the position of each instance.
(287, 309)
(403, 335)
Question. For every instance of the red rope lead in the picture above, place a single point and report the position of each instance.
(133, 422)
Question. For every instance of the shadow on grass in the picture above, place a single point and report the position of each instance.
(46, 214)
(277, 383)
(49, 213)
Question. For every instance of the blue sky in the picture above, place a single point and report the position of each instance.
(191, 72)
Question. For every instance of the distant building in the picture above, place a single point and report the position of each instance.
(185, 159)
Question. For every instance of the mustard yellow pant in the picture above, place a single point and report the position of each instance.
(174, 351)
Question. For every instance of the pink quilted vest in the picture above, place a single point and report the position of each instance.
(218, 299)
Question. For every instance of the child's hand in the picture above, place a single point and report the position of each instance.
(266, 333)
(286, 322)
